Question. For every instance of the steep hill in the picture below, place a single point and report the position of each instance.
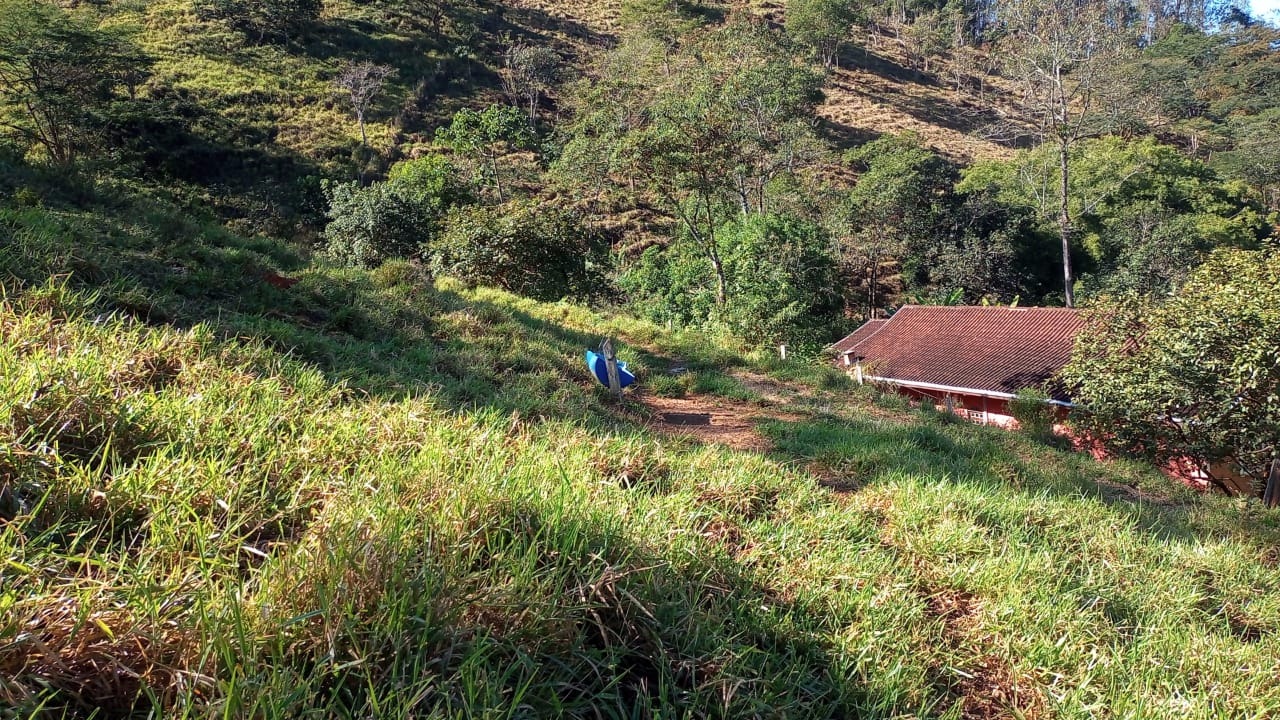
(369, 494)
(235, 109)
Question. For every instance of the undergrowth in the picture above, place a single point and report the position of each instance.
(375, 494)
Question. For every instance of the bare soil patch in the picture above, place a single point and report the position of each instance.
(711, 420)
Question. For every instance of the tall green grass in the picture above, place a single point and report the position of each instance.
(378, 494)
(203, 526)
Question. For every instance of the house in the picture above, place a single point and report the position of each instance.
(971, 359)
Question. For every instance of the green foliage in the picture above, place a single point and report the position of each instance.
(933, 33)
(1254, 156)
(779, 277)
(263, 20)
(369, 225)
(891, 213)
(782, 283)
(711, 130)
(526, 248)
(1194, 375)
(990, 252)
(392, 219)
(1146, 213)
(430, 179)
(821, 25)
(1033, 412)
(486, 136)
(58, 77)
(662, 21)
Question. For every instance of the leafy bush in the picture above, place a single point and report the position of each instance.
(524, 248)
(430, 179)
(820, 25)
(392, 219)
(1195, 375)
(779, 276)
(368, 225)
(1033, 412)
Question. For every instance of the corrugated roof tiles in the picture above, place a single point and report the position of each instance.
(997, 349)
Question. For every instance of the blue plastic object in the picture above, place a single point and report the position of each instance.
(597, 366)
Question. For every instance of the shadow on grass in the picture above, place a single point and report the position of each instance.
(618, 631)
(863, 452)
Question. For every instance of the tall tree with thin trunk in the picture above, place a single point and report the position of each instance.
(707, 131)
(363, 81)
(530, 72)
(1065, 55)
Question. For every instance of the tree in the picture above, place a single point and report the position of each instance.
(708, 131)
(1255, 154)
(58, 76)
(393, 219)
(1145, 213)
(989, 252)
(1194, 376)
(530, 72)
(821, 26)
(370, 225)
(782, 282)
(488, 134)
(932, 34)
(362, 81)
(1065, 55)
(890, 212)
(664, 21)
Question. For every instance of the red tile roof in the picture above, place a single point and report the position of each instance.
(868, 329)
(993, 349)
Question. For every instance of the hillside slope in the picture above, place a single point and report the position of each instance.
(242, 122)
(373, 494)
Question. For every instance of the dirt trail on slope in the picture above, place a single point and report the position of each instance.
(711, 419)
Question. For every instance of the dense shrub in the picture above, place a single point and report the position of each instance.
(368, 225)
(392, 219)
(525, 248)
(1033, 412)
(1193, 375)
(780, 278)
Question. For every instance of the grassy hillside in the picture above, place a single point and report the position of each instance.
(374, 494)
(240, 122)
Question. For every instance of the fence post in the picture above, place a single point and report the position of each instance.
(611, 366)
(1271, 496)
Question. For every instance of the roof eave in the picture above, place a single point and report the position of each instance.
(919, 385)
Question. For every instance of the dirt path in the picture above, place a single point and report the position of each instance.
(712, 419)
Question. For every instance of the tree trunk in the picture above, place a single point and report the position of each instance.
(497, 182)
(1271, 496)
(871, 288)
(1064, 223)
(716, 264)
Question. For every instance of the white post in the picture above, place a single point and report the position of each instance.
(611, 366)
(857, 372)
(782, 351)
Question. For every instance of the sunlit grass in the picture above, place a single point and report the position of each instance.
(378, 494)
(199, 524)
